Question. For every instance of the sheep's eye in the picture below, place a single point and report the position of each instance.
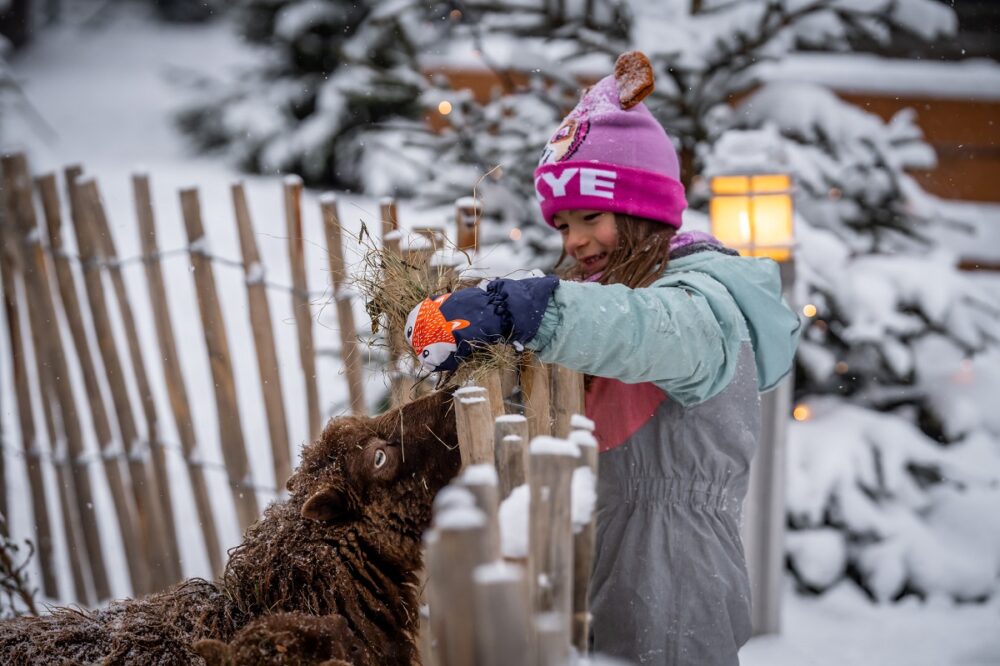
(380, 458)
(409, 331)
(426, 353)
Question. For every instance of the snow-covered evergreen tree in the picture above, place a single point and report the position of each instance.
(903, 345)
(333, 68)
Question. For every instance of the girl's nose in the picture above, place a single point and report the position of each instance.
(574, 241)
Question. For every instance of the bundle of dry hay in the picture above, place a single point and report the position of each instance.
(393, 281)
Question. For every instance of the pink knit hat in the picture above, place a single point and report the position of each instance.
(610, 154)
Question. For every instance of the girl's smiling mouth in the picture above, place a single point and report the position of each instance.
(593, 260)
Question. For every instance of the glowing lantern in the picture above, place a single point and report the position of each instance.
(444, 108)
(753, 214)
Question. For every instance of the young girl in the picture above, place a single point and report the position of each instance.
(677, 335)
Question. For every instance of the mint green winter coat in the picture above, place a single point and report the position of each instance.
(677, 367)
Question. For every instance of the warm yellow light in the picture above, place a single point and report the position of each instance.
(515, 234)
(444, 108)
(801, 413)
(809, 310)
(753, 214)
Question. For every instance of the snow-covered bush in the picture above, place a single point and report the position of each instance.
(334, 70)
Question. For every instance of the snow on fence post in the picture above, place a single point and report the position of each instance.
(22, 392)
(537, 404)
(467, 211)
(168, 570)
(510, 441)
(566, 389)
(227, 407)
(456, 547)
(474, 422)
(550, 529)
(503, 630)
(481, 480)
(145, 482)
(584, 482)
(176, 390)
(48, 345)
(117, 483)
(292, 189)
(349, 352)
(263, 338)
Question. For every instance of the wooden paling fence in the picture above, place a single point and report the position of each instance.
(484, 606)
(69, 314)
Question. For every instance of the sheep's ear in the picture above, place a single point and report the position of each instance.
(215, 653)
(324, 505)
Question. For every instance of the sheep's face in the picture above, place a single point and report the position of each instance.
(381, 471)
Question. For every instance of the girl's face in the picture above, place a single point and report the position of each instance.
(589, 237)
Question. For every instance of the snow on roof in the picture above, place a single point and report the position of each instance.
(977, 79)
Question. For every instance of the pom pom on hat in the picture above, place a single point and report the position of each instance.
(610, 154)
(634, 78)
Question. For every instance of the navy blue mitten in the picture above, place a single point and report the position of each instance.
(444, 329)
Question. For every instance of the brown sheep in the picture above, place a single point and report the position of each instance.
(346, 541)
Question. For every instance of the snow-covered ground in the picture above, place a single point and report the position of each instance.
(106, 92)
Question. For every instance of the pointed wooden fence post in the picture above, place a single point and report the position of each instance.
(537, 403)
(455, 549)
(263, 337)
(145, 485)
(176, 389)
(475, 429)
(17, 185)
(583, 538)
(169, 570)
(300, 299)
(566, 388)
(227, 407)
(467, 212)
(113, 469)
(511, 442)
(349, 350)
(400, 365)
(481, 480)
(26, 422)
(503, 631)
(550, 530)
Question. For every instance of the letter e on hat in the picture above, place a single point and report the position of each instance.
(597, 183)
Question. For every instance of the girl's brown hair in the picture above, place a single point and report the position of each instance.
(640, 258)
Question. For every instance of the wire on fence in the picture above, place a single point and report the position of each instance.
(117, 264)
(61, 458)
